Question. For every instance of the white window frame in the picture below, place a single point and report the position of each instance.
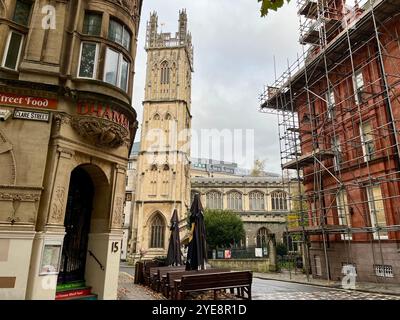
(330, 103)
(96, 60)
(367, 156)
(121, 58)
(337, 151)
(371, 208)
(356, 76)
(343, 213)
(8, 47)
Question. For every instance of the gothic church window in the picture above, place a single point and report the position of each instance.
(235, 201)
(214, 200)
(157, 232)
(279, 200)
(262, 237)
(164, 73)
(256, 200)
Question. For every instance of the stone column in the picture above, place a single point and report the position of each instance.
(60, 186)
(272, 253)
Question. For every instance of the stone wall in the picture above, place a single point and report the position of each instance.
(255, 265)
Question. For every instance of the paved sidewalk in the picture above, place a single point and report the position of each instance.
(385, 288)
(127, 290)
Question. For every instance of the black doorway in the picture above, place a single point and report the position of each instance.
(77, 227)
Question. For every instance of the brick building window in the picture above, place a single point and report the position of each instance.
(367, 140)
(358, 83)
(337, 151)
(377, 210)
(330, 99)
(343, 212)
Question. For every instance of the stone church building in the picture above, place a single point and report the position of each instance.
(66, 83)
(163, 168)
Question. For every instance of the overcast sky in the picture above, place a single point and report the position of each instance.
(234, 50)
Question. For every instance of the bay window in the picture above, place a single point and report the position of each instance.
(22, 12)
(92, 24)
(119, 33)
(88, 60)
(116, 70)
(13, 49)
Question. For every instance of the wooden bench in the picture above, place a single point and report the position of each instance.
(156, 274)
(146, 273)
(167, 282)
(240, 280)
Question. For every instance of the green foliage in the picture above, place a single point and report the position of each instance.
(223, 227)
(258, 168)
(281, 249)
(267, 5)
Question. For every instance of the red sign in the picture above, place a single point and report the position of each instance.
(26, 101)
(102, 111)
(73, 293)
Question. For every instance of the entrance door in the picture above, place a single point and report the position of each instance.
(77, 227)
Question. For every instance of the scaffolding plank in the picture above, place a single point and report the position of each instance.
(308, 159)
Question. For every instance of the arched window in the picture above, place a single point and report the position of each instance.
(156, 117)
(168, 116)
(214, 200)
(235, 200)
(157, 232)
(256, 200)
(279, 200)
(262, 237)
(164, 73)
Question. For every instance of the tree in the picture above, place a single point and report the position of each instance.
(223, 228)
(258, 168)
(267, 5)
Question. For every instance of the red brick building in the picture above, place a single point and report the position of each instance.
(339, 120)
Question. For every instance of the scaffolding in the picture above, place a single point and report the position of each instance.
(338, 108)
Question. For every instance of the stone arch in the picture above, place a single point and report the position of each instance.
(100, 221)
(262, 237)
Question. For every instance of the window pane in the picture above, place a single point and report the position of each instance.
(111, 68)
(127, 40)
(124, 75)
(22, 12)
(88, 60)
(92, 24)
(115, 32)
(13, 51)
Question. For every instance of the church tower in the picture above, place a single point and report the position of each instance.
(163, 183)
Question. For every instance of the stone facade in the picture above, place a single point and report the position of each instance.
(163, 182)
(257, 197)
(67, 82)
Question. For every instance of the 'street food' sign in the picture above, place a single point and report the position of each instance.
(10, 99)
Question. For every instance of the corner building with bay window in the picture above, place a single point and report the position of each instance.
(66, 130)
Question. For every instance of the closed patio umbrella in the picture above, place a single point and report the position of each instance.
(197, 251)
(174, 256)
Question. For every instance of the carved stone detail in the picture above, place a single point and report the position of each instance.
(101, 132)
(19, 197)
(129, 5)
(117, 216)
(58, 204)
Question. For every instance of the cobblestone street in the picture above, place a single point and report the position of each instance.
(263, 289)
